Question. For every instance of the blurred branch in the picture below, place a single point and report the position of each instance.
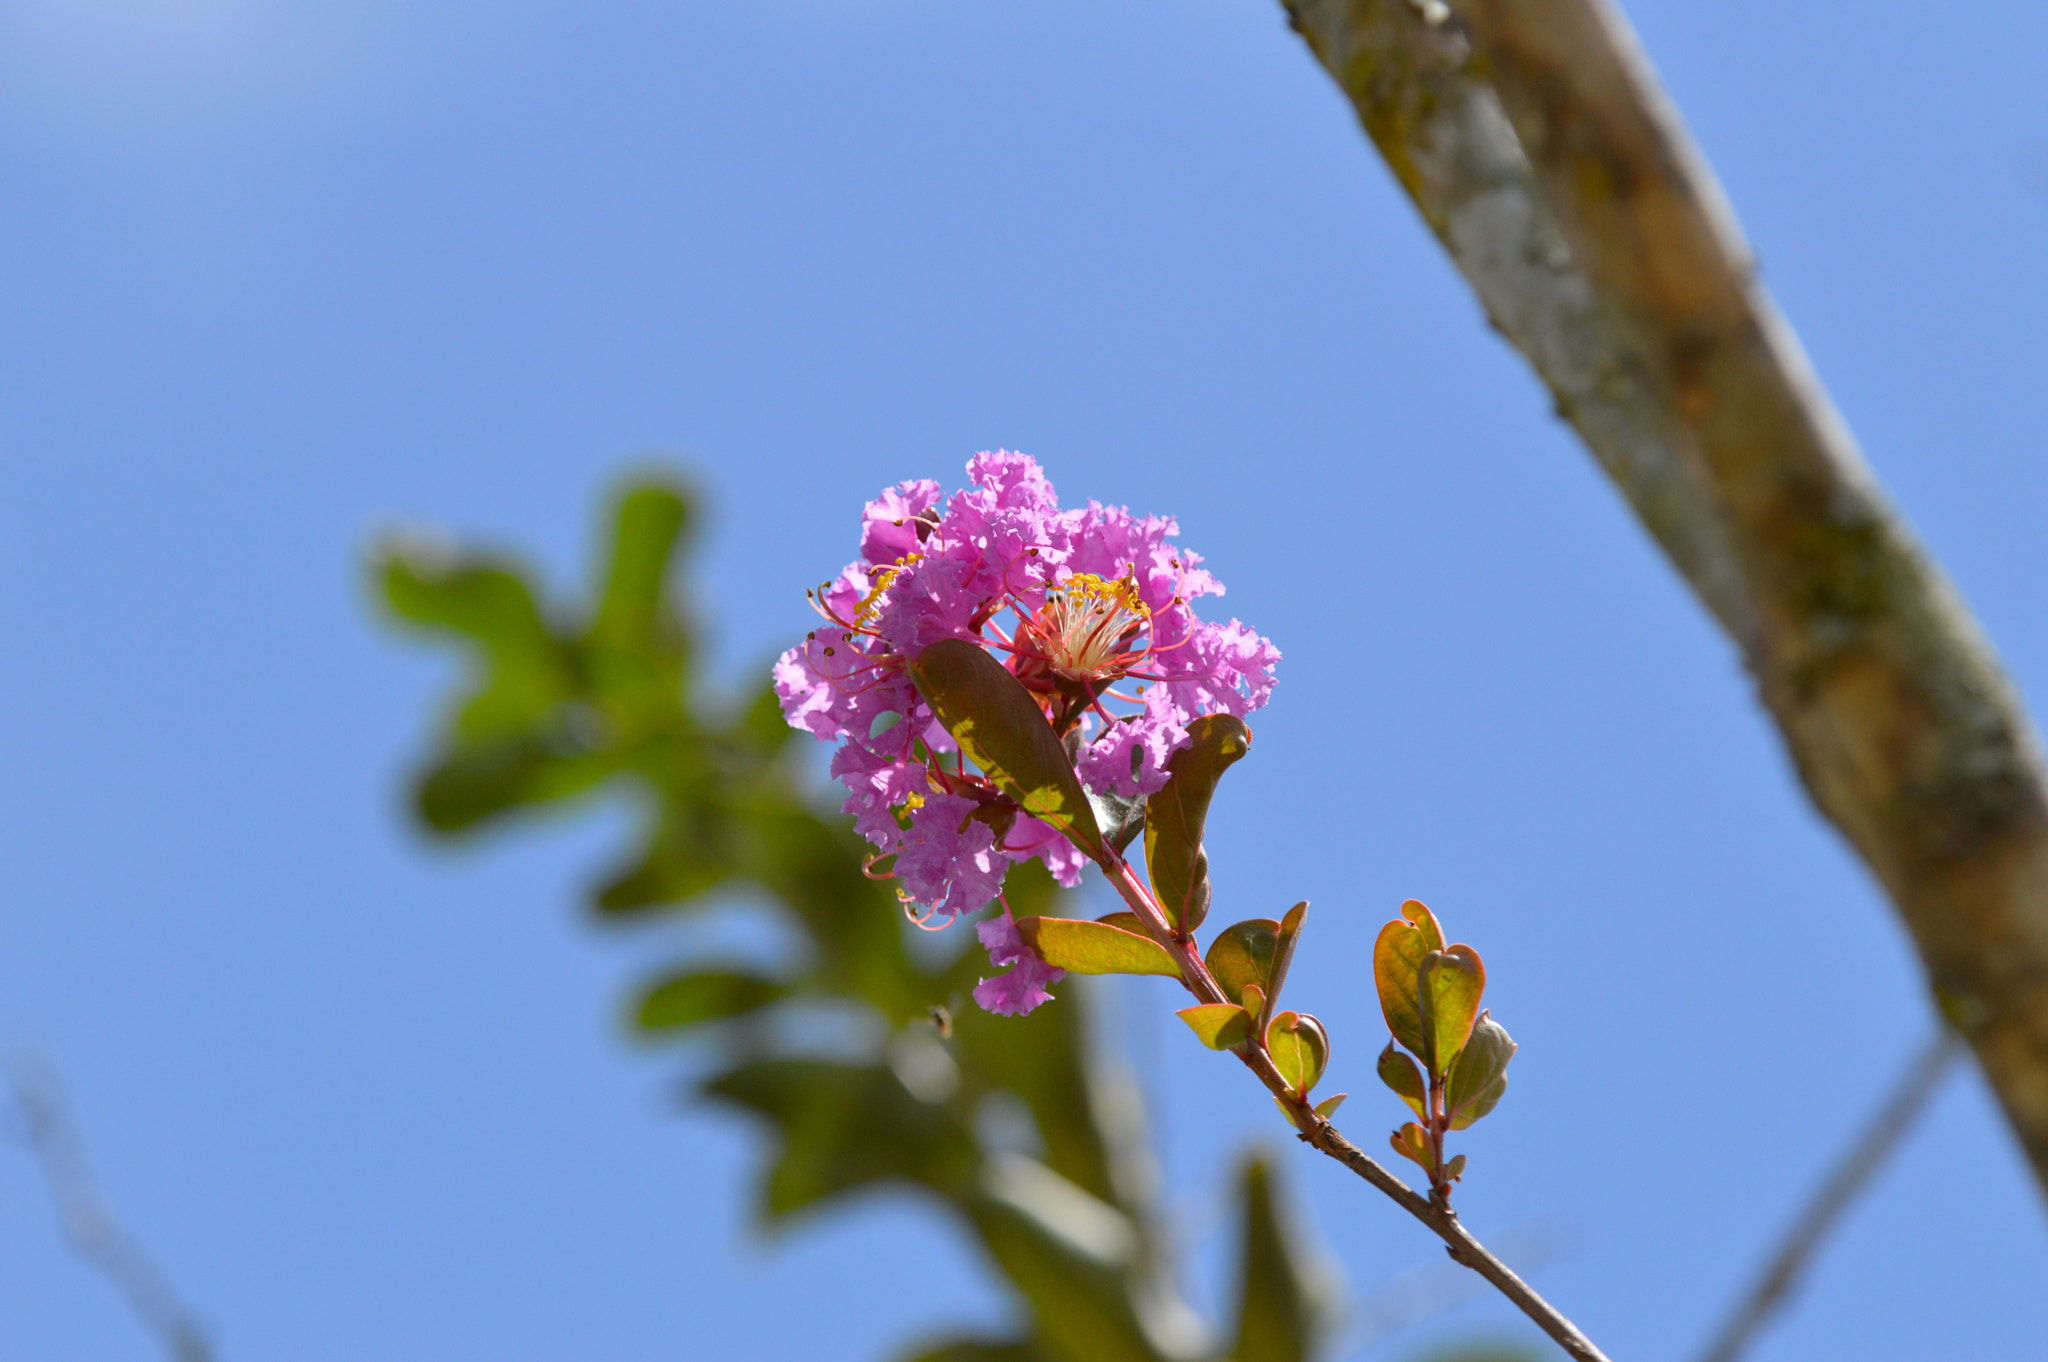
(87, 1223)
(1848, 1178)
(1539, 146)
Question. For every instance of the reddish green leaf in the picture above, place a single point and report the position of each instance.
(1218, 1025)
(1242, 955)
(1400, 1073)
(1480, 1070)
(1451, 983)
(1328, 1106)
(1396, 966)
(1125, 919)
(1002, 730)
(1095, 947)
(1283, 950)
(1411, 1141)
(1254, 999)
(1174, 817)
(1300, 1048)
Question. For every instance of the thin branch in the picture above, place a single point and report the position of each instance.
(87, 1223)
(1316, 1130)
(1773, 1288)
(1539, 146)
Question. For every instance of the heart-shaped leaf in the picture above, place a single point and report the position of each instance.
(1243, 954)
(1218, 1025)
(1300, 1048)
(1480, 1069)
(1002, 730)
(1094, 947)
(1411, 1141)
(1451, 982)
(1174, 817)
(1396, 966)
(1400, 1073)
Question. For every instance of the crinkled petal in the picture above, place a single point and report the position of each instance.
(887, 534)
(1029, 837)
(1017, 992)
(877, 786)
(1130, 757)
(948, 859)
(1223, 668)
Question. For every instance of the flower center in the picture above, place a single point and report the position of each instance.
(1088, 624)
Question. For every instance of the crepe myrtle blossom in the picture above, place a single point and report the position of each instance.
(1092, 609)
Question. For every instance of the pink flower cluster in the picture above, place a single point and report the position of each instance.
(1077, 603)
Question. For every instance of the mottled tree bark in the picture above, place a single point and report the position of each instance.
(1543, 153)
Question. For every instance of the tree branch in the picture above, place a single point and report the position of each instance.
(1316, 1130)
(1848, 1177)
(1541, 150)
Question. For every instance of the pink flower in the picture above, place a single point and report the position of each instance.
(1091, 609)
(1013, 994)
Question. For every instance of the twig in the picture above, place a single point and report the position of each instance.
(1317, 1131)
(87, 1223)
(1773, 1288)
(1549, 161)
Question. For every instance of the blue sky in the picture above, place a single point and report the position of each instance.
(276, 275)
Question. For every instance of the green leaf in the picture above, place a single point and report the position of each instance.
(1451, 983)
(1400, 1073)
(1002, 730)
(1043, 1060)
(1482, 1105)
(1454, 1168)
(1282, 1297)
(1243, 954)
(686, 1000)
(1174, 817)
(1327, 1108)
(632, 607)
(1075, 1259)
(476, 783)
(1283, 950)
(1300, 1049)
(1396, 966)
(525, 671)
(844, 1127)
(1095, 947)
(1411, 1142)
(1480, 1068)
(1218, 1025)
(1125, 919)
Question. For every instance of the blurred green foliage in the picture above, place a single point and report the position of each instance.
(561, 703)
